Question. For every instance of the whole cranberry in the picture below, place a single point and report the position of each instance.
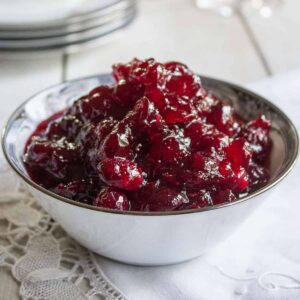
(112, 198)
(149, 72)
(171, 150)
(121, 173)
(198, 161)
(98, 104)
(120, 141)
(176, 66)
(184, 85)
(164, 199)
(222, 116)
(221, 196)
(198, 199)
(258, 175)
(205, 136)
(176, 109)
(67, 126)
(239, 153)
(127, 92)
(257, 134)
(54, 157)
(76, 190)
(41, 128)
(242, 180)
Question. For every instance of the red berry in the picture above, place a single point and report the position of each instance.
(223, 196)
(257, 134)
(54, 157)
(205, 136)
(120, 141)
(111, 198)
(258, 175)
(242, 180)
(99, 103)
(164, 199)
(77, 190)
(66, 126)
(172, 150)
(239, 153)
(198, 199)
(222, 116)
(121, 173)
(148, 72)
(128, 92)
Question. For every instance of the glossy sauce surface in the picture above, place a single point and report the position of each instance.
(154, 141)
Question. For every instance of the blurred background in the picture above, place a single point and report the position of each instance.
(46, 42)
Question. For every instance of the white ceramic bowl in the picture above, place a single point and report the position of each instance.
(145, 238)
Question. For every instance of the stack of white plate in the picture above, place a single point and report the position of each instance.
(31, 25)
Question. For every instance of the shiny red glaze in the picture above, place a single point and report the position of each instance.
(112, 198)
(120, 173)
(156, 140)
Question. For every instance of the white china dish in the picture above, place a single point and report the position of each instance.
(148, 238)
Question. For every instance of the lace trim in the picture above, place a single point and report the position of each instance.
(47, 263)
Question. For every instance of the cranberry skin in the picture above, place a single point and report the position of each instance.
(206, 171)
(171, 150)
(92, 134)
(121, 71)
(197, 161)
(182, 81)
(138, 197)
(98, 104)
(164, 199)
(205, 136)
(258, 175)
(223, 196)
(127, 92)
(257, 134)
(175, 109)
(55, 158)
(102, 129)
(242, 180)
(67, 126)
(199, 199)
(205, 103)
(76, 190)
(176, 66)
(147, 72)
(186, 85)
(239, 153)
(121, 139)
(86, 138)
(223, 118)
(209, 197)
(110, 197)
(121, 173)
(40, 130)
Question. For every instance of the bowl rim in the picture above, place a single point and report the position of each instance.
(289, 166)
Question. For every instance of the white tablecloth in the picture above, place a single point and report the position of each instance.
(260, 261)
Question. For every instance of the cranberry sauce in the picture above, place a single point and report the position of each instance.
(154, 141)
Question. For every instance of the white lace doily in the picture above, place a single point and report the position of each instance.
(42, 258)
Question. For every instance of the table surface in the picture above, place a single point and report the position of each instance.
(241, 49)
